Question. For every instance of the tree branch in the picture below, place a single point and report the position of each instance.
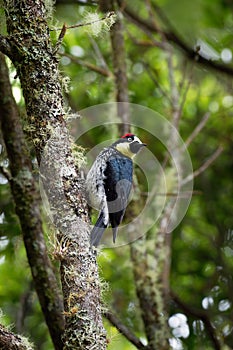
(84, 24)
(125, 331)
(79, 2)
(174, 38)
(197, 129)
(99, 70)
(204, 166)
(38, 72)
(27, 207)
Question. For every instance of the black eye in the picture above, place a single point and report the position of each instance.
(130, 139)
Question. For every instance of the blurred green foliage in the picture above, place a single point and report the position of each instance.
(202, 245)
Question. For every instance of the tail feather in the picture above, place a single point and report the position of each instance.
(97, 231)
(114, 232)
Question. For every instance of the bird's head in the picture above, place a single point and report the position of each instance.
(129, 145)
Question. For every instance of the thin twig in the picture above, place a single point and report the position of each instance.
(125, 331)
(204, 166)
(153, 42)
(60, 38)
(142, 42)
(98, 53)
(146, 43)
(198, 128)
(102, 71)
(65, 27)
(79, 2)
(108, 15)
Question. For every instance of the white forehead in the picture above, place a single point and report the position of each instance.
(137, 139)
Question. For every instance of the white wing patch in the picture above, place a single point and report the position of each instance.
(95, 183)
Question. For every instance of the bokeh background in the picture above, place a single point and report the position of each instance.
(164, 74)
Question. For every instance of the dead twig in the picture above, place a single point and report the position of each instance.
(84, 24)
(100, 70)
(197, 130)
(125, 331)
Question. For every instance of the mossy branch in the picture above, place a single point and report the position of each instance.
(10, 341)
(27, 205)
(37, 69)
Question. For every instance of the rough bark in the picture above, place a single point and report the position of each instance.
(148, 263)
(27, 206)
(37, 67)
(10, 341)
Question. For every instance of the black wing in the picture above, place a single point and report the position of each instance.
(118, 183)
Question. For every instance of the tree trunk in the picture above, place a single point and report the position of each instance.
(32, 53)
(27, 205)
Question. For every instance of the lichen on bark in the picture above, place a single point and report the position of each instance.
(33, 55)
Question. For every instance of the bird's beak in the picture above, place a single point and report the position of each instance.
(143, 145)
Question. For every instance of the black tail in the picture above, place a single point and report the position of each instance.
(114, 233)
(97, 231)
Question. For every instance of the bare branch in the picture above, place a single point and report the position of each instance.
(102, 71)
(125, 331)
(152, 41)
(79, 2)
(27, 199)
(204, 166)
(146, 43)
(197, 130)
(173, 37)
(98, 53)
(60, 38)
(65, 27)
(78, 25)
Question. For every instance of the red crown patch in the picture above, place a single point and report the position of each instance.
(127, 135)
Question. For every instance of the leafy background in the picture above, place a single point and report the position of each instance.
(202, 245)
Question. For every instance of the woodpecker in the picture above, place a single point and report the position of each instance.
(109, 183)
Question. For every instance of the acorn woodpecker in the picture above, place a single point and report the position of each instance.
(109, 182)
